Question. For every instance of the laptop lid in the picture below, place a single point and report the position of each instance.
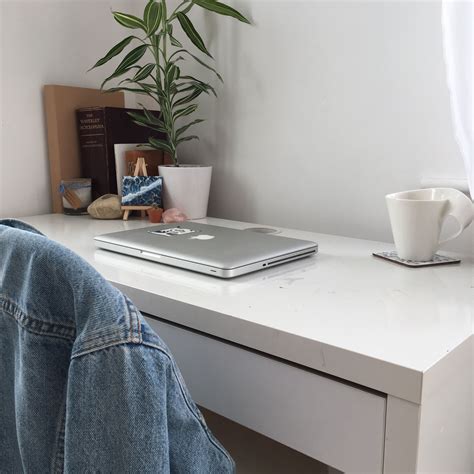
(205, 245)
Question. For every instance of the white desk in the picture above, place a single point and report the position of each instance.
(360, 363)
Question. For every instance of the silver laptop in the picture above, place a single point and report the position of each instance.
(213, 250)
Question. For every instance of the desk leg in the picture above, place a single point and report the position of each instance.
(446, 429)
(438, 435)
(401, 436)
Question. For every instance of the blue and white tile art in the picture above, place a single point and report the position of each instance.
(142, 191)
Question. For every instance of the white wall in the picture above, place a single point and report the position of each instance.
(43, 42)
(326, 107)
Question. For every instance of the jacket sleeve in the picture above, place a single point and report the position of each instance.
(128, 410)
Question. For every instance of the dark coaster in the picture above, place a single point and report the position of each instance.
(437, 260)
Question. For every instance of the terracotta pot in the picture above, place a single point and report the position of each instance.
(154, 215)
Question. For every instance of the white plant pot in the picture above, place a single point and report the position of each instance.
(187, 188)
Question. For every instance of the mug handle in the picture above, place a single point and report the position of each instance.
(460, 207)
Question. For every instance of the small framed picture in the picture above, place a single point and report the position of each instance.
(142, 191)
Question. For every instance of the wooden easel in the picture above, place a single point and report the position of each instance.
(140, 167)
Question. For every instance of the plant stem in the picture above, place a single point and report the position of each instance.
(168, 106)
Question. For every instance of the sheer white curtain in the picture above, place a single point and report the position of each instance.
(458, 39)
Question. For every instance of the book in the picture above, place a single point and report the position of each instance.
(60, 103)
(99, 129)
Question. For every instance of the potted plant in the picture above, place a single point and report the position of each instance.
(154, 214)
(152, 68)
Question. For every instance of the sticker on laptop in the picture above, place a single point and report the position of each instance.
(172, 231)
(202, 237)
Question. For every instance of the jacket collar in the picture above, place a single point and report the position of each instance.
(17, 224)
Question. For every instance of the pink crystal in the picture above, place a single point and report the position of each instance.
(173, 215)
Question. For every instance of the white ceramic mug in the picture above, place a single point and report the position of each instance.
(418, 216)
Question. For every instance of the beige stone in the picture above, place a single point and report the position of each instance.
(106, 207)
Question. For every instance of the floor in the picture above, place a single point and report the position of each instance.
(257, 454)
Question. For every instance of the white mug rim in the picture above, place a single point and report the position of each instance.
(396, 196)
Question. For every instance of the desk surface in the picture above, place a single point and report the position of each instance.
(342, 312)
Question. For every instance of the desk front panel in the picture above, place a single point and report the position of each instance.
(334, 422)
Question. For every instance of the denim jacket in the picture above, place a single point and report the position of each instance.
(85, 384)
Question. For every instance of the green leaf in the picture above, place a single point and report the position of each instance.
(191, 32)
(138, 117)
(129, 21)
(117, 73)
(172, 74)
(193, 79)
(143, 73)
(221, 9)
(129, 89)
(151, 117)
(161, 145)
(187, 139)
(186, 111)
(197, 83)
(130, 59)
(175, 42)
(206, 88)
(150, 88)
(193, 86)
(152, 16)
(151, 127)
(126, 65)
(202, 63)
(181, 130)
(146, 118)
(179, 58)
(146, 12)
(148, 6)
(188, 88)
(117, 49)
(189, 98)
